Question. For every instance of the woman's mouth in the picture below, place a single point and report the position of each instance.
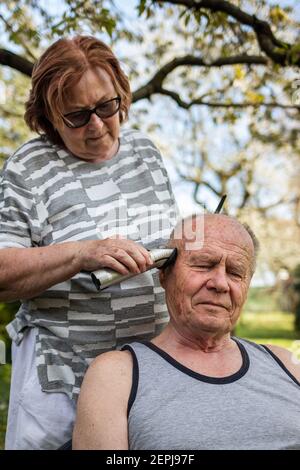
(97, 137)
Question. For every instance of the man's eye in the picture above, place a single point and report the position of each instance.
(202, 267)
(235, 274)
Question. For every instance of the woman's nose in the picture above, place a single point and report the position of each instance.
(95, 121)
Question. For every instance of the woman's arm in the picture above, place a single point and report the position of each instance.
(26, 272)
(101, 421)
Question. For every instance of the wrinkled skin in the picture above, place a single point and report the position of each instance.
(207, 287)
(98, 140)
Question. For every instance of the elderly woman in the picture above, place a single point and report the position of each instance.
(81, 196)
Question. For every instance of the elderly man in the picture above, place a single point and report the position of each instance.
(195, 386)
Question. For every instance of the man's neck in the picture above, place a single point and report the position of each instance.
(206, 342)
(211, 355)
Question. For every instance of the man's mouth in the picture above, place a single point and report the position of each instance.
(214, 304)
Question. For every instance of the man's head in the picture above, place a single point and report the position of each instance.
(207, 286)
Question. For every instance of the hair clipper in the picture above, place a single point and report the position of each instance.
(161, 257)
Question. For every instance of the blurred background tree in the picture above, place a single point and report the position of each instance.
(296, 286)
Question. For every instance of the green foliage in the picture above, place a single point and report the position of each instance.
(261, 299)
(13, 130)
(7, 313)
(297, 317)
(141, 7)
(93, 13)
(294, 53)
(199, 15)
(5, 371)
(279, 16)
(296, 286)
(296, 275)
(269, 327)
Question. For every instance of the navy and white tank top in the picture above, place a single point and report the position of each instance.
(173, 407)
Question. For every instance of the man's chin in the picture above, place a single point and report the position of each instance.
(214, 323)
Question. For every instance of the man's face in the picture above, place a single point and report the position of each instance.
(207, 287)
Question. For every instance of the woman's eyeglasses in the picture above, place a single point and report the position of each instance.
(102, 110)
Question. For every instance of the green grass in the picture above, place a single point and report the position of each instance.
(268, 327)
(262, 299)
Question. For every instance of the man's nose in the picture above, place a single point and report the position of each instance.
(218, 280)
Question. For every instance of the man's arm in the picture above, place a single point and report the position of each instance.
(101, 421)
(291, 362)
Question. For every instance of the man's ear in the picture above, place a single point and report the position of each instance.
(162, 277)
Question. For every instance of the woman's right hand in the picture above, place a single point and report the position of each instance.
(26, 272)
(121, 255)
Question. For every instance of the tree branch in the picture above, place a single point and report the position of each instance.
(9, 113)
(190, 179)
(263, 209)
(278, 51)
(214, 190)
(23, 44)
(189, 60)
(154, 86)
(212, 104)
(16, 62)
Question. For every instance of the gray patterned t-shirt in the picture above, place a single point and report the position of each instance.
(48, 196)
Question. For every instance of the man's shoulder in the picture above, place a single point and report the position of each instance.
(289, 359)
(112, 362)
(109, 378)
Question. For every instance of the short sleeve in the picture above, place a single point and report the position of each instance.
(155, 163)
(166, 180)
(19, 225)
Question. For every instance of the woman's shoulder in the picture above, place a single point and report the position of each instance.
(137, 137)
(28, 154)
(142, 145)
(36, 145)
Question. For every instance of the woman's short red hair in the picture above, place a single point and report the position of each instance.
(59, 68)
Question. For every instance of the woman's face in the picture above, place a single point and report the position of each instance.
(98, 140)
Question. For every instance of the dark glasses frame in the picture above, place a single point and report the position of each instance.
(86, 113)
